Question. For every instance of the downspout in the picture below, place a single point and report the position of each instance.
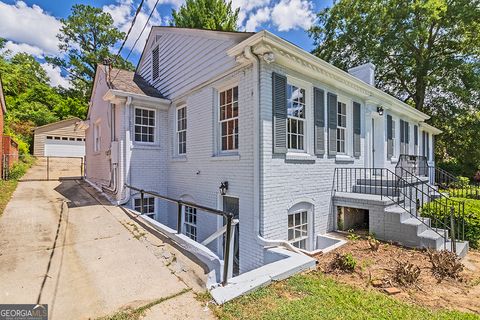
(257, 177)
(124, 157)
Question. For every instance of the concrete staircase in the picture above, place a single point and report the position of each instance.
(397, 220)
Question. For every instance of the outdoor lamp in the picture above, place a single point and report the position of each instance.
(380, 110)
(223, 188)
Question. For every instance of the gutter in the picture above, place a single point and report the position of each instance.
(113, 93)
(257, 159)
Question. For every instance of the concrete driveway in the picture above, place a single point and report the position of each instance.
(62, 244)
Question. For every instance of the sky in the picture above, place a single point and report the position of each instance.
(32, 25)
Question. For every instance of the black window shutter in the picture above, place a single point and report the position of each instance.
(428, 146)
(389, 137)
(357, 129)
(279, 101)
(319, 115)
(332, 123)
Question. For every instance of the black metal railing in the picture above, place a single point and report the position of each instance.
(454, 186)
(446, 216)
(417, 165)
(180, 204)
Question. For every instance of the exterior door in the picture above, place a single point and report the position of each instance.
(231, 204)
(373, 143)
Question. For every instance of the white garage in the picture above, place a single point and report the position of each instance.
(59, 139)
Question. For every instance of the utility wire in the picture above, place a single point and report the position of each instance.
(128, 32)
(139, 36)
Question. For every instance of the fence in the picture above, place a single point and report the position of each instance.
(55, 168)
(228, 217)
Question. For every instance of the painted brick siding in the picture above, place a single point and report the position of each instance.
(198, 176)
(97, 164)
(284, 182)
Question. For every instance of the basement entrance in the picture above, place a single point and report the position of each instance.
(352, 218)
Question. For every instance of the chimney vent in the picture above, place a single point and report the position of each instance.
(364, 72)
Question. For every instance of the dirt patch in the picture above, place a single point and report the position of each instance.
(375, 269)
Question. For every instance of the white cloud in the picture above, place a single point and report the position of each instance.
(123, 12)
(246, 6)
(15, 48)
(29, 25)
(293, 14)
(254, 20)
(56, 78)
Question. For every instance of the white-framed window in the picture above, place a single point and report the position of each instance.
(144, 125)
(181, 126)
(298, 229)
(190, 222)
(96, 137)
(341, 127)
(148, 206)
(394, 138)
(296, 108)
(228, 119)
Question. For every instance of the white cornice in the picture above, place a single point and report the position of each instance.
(116, 96)
(295, 57)
(429, 128)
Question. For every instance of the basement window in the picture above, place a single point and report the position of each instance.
(191, 222)
(298, 229)
(148, 206)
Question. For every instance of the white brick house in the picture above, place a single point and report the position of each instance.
(250, 109)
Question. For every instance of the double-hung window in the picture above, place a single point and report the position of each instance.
(144, 125)
(228, 118)
(96, 137)
(190, 222)
(182, 130)
(298, 229)
(296, 118)
(148, 206)
(341, 127)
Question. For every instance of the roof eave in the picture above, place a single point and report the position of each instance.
(287, 47)
(113, 94)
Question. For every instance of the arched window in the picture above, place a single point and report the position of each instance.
(300, 218)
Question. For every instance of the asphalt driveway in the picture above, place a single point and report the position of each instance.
(64, 245)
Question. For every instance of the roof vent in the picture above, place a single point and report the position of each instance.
(364, 72)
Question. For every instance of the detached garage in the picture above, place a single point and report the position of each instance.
(59, 139)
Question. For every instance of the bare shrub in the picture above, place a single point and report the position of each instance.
(373, 243)
(445, 264)
(406, 273)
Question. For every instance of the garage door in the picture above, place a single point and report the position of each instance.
(64, 148)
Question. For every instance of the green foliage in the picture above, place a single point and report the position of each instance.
(86, 37)
(471, 219)
(427, 53)
(206, 14)
(352, 236)
(343, 262)
(314, 296)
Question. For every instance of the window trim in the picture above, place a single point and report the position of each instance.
(342, 128)
(97, 137)
(218, 91)
(154, 142)
(177, 132)
(304, 86)
(394, 138)
(308, 207)
(146, 205)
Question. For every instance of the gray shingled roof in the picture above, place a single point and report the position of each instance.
(129, 81)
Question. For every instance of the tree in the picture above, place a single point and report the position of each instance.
(206, 14)
(86, 37)
(427, 52)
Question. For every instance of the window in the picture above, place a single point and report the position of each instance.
(229, 119)
(144, 125)
(79, 139)
(71, 139)
(296, 118)
(182, 130)
(57, 138)
(64, 138)
(298, 229)
(148, 206)
(394, 139)
(96, 137)
(341, 126)
(155, 63)
(49, 137)
(190, 222)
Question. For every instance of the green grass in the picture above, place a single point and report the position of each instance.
(314, 296)
(6, 190)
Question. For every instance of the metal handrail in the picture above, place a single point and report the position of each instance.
(180, 203)
(447, 181)
(346, 178)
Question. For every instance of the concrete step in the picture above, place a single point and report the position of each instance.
(461, 247)
(418, 224)
(431, 239)
(386, 191)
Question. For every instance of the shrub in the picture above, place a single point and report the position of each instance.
(17, 170)
(445, 264)
(343, 262)
(373, 243)
(352, 236)
(406, 273)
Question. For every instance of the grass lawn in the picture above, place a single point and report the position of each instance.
(314, 296)
(6, 189)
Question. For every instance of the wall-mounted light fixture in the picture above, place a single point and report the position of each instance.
(223, 188)
(380, 110)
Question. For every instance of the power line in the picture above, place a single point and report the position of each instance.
(128, 32)
(139, 36)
